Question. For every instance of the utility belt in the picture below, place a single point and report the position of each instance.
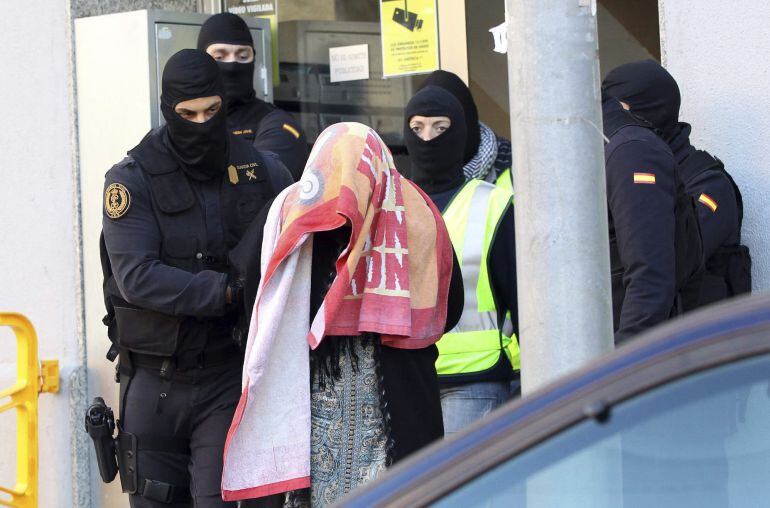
(166, 365)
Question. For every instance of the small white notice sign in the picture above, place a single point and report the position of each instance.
(348, 63)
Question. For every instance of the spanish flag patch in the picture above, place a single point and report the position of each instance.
(291, 130)
(708, 201)
(645, 178)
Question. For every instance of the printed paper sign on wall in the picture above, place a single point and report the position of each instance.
(349, 63)
(409, 37)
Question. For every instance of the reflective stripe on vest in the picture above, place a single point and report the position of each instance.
(504, 180)
(474, 344)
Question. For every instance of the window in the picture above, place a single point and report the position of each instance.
(700, 441)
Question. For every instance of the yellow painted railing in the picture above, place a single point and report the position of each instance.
(31, 379)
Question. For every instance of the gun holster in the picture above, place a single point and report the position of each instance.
(125, 446)
(126, 449)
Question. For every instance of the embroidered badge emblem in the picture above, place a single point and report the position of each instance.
(117, 200)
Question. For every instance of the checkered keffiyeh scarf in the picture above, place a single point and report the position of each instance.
(481, 163)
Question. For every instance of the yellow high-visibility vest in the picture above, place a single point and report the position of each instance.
(504, 180)
(475, 343)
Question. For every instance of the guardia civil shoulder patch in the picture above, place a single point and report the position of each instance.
(117, 200)
(644, 178)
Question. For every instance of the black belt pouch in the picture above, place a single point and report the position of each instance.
(147, 332)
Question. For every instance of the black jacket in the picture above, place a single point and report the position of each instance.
(641, 198)
(273, 130)
(167, 252)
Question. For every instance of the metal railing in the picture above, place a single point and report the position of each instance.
(31, 379)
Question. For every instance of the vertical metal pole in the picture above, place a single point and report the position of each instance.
(562, 246)
(562, 249)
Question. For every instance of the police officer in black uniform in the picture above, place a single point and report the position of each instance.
(642, 200)
(652, 98)
(227, 38)
(172, 210)
(650, 92)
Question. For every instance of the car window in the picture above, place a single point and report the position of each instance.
(703, 440)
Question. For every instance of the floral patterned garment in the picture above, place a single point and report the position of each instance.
(349, 442)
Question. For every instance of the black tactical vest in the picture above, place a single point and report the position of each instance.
(244, 190)
(727, 272)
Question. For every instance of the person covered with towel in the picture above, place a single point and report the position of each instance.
(358, 282)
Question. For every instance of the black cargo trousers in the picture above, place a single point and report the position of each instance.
(180, 419)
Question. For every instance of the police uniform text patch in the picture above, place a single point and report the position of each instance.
(644, 178)
(708, 201)
(243, 173)
(291, 130)
(117, 200)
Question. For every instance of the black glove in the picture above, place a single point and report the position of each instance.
(236, 306)
(234, 294)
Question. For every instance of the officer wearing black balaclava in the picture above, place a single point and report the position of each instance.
(437, 162)
(642, 191)
(172, 210)
(486, 155)
(651, 93)
(227, 38)
(479, 358)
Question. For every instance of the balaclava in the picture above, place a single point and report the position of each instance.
(651, 92)
(201, 149)
(437, 165)
(238, 78)
(454, 85)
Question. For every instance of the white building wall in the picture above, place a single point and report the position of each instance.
(39, 274)
(107, 88)
(718, 53)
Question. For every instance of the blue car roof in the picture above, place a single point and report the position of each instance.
(692, 332)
